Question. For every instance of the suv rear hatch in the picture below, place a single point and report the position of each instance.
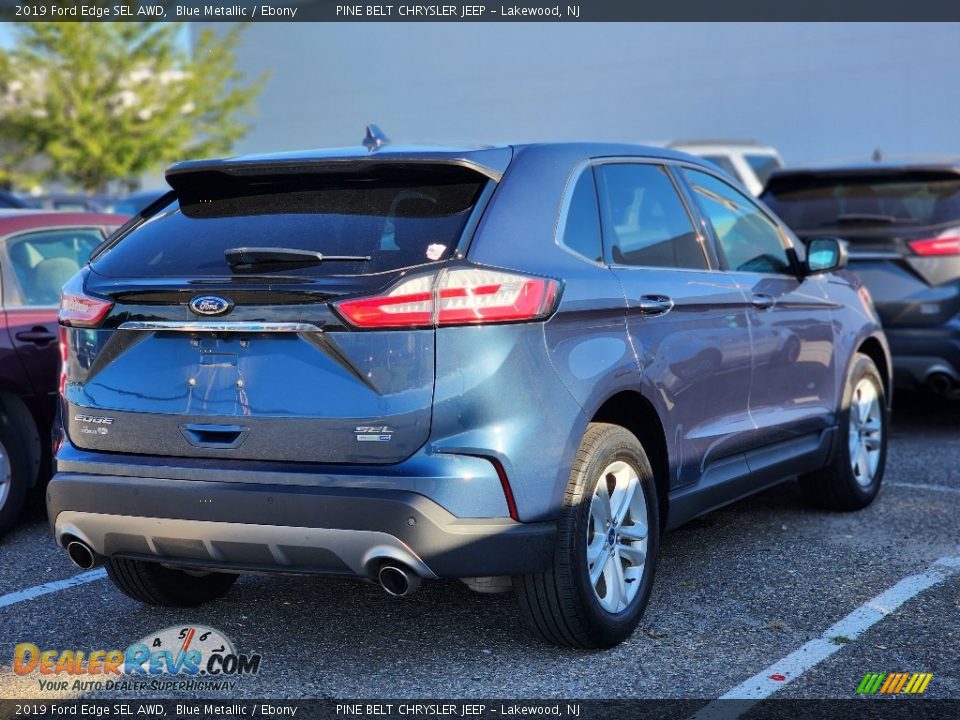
(218, 337)
(903, 229)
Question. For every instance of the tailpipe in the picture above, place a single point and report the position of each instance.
(398, 580)
(81, 555)
(942, 384)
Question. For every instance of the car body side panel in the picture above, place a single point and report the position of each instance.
(854, 323)
(696, 359)
(794, 386)
(497, 396)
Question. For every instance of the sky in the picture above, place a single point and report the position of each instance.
(817, 91)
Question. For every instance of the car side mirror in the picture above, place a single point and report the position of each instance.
(826, 255)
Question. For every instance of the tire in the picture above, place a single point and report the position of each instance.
(14, 474)
(842, 485)
(562, 605)
(155, 584)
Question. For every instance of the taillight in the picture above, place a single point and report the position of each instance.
(943, 245)
(460, 296)
(77, 309)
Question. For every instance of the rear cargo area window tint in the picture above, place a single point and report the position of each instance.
(399, 217)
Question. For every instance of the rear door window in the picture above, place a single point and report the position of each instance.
(43, 261)
(396, 216)
(644, 220)
(749, 241)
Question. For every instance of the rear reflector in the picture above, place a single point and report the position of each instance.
(944, 245)
(77, 309)
(462, 296)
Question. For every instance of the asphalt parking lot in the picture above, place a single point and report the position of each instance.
(737, 592)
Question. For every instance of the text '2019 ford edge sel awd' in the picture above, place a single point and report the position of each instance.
(524, 361)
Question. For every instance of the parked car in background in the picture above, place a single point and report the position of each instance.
(405, 364)
(71, 202)
(39, 252)
(746, 161)
(902, 223)
(9, 200)
(133, 203)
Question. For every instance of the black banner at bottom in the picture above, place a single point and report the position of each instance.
(859, 708)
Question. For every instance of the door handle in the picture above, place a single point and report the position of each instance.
(763, 302)
(655, 305)
(38, 335)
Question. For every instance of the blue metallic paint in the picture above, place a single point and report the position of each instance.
(723, 376)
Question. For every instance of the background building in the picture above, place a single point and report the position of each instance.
(818, 91)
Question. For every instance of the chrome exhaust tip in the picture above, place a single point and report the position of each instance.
(397, 580)
(81, 555)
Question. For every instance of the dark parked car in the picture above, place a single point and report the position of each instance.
(520, 361)
(902, 224)
(39, 251)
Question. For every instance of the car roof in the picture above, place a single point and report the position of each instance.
(490, 160)
(15, 220)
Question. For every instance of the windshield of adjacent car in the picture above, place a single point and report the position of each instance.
(815, 201)
(397, 217)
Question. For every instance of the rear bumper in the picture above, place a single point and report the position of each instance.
(249, 527)
(919, 352)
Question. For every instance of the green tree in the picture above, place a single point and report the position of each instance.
(91, 103)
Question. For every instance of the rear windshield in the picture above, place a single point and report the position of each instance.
(808, 202)
(398, 216)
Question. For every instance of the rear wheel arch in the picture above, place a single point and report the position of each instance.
(873, 349)
(631, 410)
(15, 413)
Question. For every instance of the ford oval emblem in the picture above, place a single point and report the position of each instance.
(210, 305)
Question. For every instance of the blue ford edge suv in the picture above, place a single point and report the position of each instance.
(516, 366)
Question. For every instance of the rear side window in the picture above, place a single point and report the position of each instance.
(814, 201)
(749, 241)
(644, 220)
(399, 216)
(581, 230)
(43, 261)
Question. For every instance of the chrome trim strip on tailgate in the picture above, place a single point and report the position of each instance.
(227, 327)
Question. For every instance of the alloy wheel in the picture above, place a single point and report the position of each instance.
(866, 432)
(617, 537)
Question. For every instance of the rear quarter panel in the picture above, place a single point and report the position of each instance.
(551, 377)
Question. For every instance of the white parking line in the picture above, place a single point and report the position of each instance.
(775, 677)
(925, 486)
(51, 587)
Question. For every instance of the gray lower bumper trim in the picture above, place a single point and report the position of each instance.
(239, 545)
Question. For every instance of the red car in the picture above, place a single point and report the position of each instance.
(39, 251)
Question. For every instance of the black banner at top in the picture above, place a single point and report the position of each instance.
(480, 11)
